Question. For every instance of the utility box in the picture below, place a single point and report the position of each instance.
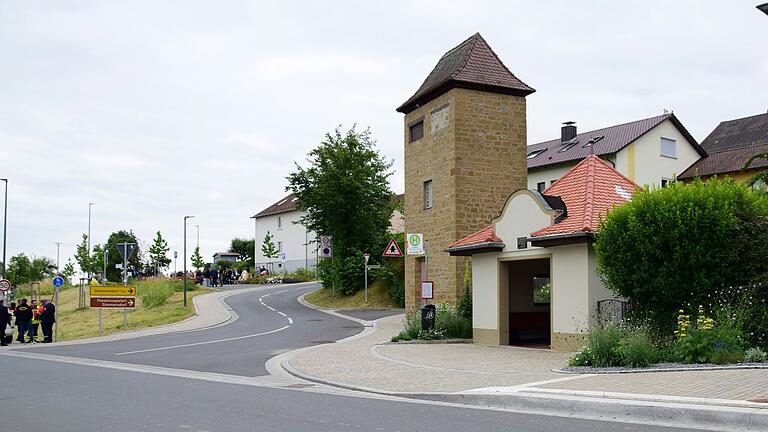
(428, 317)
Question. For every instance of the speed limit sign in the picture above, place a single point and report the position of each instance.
(5, 285)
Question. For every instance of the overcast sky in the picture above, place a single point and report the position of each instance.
(159, 109)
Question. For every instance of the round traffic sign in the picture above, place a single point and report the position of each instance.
(5, 285)
(58, 281)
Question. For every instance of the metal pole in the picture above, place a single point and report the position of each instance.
(5, 225)
(99, 321)
(426, 269)
(198, 236)
(90, 204)
(185, 258)
(366, 283)
(106, 258)
(56, 317)
(58, 269)
(125, 282)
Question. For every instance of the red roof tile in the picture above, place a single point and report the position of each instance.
(485, 235)
(589, 190)
(471, 64)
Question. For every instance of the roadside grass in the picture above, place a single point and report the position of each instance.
(378, 298)
(80, 323)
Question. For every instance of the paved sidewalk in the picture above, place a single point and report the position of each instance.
(522, 379)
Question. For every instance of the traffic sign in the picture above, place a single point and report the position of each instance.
(415, 244)
(113, 302)
(113, 291)
(5, 285)
(126, 249)
(175, 254)
(392, 250)
(326, 248)
(58, 281)
(373, 266)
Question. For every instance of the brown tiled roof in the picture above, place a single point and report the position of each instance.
(589, 190)
(734, 134)
(730, 145)
(614, 139)
(472, 64)
(283, 206)
(724, 162)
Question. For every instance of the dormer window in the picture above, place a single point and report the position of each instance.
(535, 153)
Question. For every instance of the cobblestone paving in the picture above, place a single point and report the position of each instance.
(745, 384)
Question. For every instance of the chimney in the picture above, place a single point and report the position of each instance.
(568, 131)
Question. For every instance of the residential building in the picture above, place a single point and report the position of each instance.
(465, 147)
(729, 147)
(225, 256)
(651, 151)
(534, 270)
(296, 246)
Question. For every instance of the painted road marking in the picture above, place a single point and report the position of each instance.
(281, 313)
(203, 343)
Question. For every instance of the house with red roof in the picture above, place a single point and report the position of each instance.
(534, 270)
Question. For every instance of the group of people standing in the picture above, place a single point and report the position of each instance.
(213, 277)
(28, 318)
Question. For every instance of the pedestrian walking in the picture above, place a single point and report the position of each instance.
(47, 318)
(23, 315)
(5, 321)
(36, 311)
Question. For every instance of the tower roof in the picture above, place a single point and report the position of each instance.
(472, 65)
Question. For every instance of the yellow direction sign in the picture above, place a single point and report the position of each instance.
(113, 290)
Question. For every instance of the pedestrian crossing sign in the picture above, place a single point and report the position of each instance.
(392, 250)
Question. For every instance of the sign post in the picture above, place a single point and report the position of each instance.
(58, 282)
(418, 246)
(366, 256)
(126, 250)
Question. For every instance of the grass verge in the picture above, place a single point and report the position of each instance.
(76, 323)
(378, 298)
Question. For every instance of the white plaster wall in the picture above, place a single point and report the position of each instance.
(522, 215)
(485, 297)
(570, 288)
(546, 175)
(292, 235)
(650, 166)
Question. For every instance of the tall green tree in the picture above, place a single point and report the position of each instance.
(97, 260)
(69, 270)
(82, 255)
(345, 193)
(245, 247)
(197, 259)
(158, 253)
(22, 269)
(115, 274)
(268, 248)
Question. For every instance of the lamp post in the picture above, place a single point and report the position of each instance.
(90, 204)
(5, 224)
(58, 269)
(185, 258)
(198, 236)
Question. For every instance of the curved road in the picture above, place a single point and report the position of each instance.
(270, 321)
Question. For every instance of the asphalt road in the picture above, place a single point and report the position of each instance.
(39, 395)
(270, 322)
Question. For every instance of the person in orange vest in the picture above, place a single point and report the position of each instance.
(36, 311)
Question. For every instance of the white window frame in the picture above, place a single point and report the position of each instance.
(664, 140)
(279, 222)
(279, 247)
(429, 194)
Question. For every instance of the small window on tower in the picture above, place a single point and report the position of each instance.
(428, 194)
(540, 186)
(416, 130)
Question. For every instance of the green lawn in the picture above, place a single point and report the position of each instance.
(377, 299)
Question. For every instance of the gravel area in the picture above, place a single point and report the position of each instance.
(661, 367)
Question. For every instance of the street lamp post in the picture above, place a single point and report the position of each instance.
(185, 258)
(198, 236)
(90, 204)
(5, 224)
(58, 268)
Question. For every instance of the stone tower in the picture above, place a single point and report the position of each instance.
(465, 152)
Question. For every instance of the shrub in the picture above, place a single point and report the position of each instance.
(603, 343)
(582, 357)
(155, 292)
(636, 349)
(755, 355)
(706, 340)
(681, 243)
(448, 324)
(465, 302)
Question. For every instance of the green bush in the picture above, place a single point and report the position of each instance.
(448, 324)
(583, 357)
(156, 292)
(464, 306)
(677, 245)
(705, 340)
(603, 343)
(637, 350)
(755, 355)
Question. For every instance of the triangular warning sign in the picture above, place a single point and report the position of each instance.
(392, 250)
